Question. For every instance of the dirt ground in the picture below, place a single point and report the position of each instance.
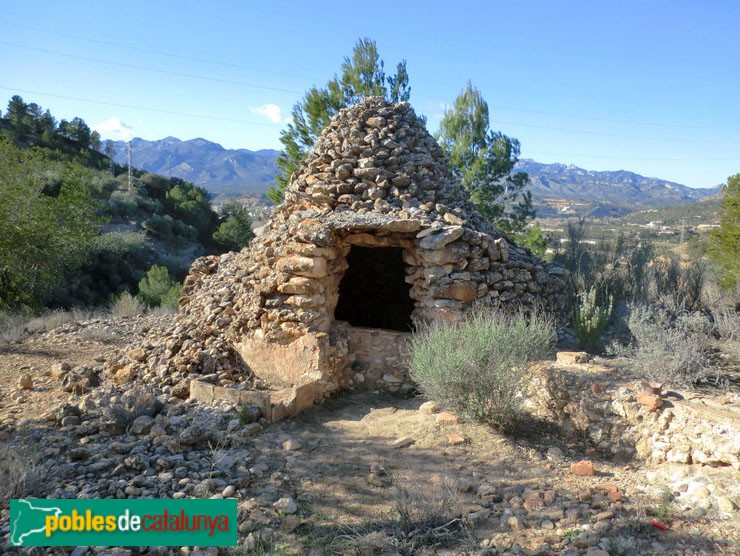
(374, 474)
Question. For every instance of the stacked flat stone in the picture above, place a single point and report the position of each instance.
(376, 178)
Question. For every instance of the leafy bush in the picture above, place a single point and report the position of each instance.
(476, 367)
(665, 350)
(126, 305)
(47, 222)
(123, 204)
(591, 317)
(533, 238)
(190, 203)
(159, 226)
(159, 287)
(235, 230)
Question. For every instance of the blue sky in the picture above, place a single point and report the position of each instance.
(647, 86)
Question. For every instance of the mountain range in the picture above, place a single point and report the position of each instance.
(241, 172)
(224, 172)
(617, 188)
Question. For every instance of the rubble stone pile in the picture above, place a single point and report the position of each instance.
(375, 233)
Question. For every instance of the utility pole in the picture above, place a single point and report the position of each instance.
(130, 176)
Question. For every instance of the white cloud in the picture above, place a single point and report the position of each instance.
(270, 111)
(114, 127)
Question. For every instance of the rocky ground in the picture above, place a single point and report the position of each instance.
(364, 474)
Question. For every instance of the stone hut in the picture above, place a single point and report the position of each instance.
(375, 235)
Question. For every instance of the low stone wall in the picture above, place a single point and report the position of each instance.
(275, 405)
(589, 401)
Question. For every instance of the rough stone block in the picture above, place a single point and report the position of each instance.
(651, 402)
(447, 418)
(584, 468)
(572, 357)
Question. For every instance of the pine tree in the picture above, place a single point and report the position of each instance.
(484, 160)
(726, 239)
(362, 75)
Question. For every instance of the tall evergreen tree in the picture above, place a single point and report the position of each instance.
(362, 75)
(484, 160)
(726, 239)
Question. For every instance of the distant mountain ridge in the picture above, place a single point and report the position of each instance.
(233, 172)
(241, 172)
(619, 187)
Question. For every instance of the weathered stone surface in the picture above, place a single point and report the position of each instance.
(443, 237)
(455, 439)
(402, 442)
(460, 291)
(142, 424)
(651, 402)
(446, 418)
(584, 467)
(58, 370)
(286, 506)
(572, 357)
(612, 421)
(25, 382)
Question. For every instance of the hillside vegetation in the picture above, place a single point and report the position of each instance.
(224, 172)
(75, 229)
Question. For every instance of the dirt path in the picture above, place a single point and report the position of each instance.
(374, 474)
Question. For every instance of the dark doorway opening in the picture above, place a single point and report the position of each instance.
(373, 291)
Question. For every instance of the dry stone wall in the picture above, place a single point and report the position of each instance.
(594, 403)
(375, 179)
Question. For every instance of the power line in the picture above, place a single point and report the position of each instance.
(626, 157)
(158, 52)
(315, 79)
(154, 70)
(159, 110)
(250, 122)
(566, 130)
(608, 120)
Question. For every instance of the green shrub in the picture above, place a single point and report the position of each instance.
(533, 238)
(666, 350)
(476, 367)
(591, 317)
(235, 230)
(159, 287)
(126, 305)
(123, 204)
(158, 226)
